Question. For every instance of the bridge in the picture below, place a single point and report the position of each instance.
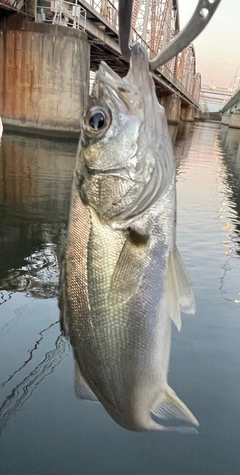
(154, 24)
(215, 94)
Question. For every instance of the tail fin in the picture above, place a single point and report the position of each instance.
(172, 409)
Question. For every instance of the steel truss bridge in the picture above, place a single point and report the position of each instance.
(154, 24)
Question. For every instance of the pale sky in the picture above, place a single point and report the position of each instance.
(218, 46)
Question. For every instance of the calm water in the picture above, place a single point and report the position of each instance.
(44, 428)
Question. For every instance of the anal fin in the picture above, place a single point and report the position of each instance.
(82, 389)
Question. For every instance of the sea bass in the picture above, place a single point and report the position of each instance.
(123, 281)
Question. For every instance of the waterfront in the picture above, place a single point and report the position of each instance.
(44, 428)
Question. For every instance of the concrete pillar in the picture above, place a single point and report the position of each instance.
(225, 119)
(173, 130)
(187, 113)
(234, 120)
(44, 78)
(172, 106)
(197, 115)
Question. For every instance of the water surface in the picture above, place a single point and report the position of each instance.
(44, 428)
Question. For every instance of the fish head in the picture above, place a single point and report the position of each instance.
(125, 160)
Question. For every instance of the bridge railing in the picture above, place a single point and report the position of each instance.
(106, 8)
(62, 12)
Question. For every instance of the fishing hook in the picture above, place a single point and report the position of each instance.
(202, 15)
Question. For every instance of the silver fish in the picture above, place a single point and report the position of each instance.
(123, 281)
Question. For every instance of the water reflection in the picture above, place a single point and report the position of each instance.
(35, 183)
(27, 384)
(182, 144)
(229, 140)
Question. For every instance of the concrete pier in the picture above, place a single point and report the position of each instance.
(225, 119)
(187, 113)
(45, 89)
(234, 120)
(172, 106)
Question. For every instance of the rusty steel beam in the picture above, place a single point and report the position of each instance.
(14, 5)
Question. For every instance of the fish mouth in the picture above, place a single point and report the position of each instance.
(138, 73)
(116, 86)
(110, 78)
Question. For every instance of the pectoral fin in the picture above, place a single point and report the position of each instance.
(179, 289)
(129, 268)
(185, 292)
(170, 407)
(82, 389)
(172, 297)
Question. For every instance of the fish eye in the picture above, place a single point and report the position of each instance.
(97, 120)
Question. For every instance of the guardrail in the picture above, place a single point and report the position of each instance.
(62, 12)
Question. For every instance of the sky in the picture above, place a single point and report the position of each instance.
(218, 46)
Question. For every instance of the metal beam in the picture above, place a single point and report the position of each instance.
(145, 23)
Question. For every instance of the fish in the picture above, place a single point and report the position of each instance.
(123, 281)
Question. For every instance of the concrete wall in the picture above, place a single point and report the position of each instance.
(44, 77)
